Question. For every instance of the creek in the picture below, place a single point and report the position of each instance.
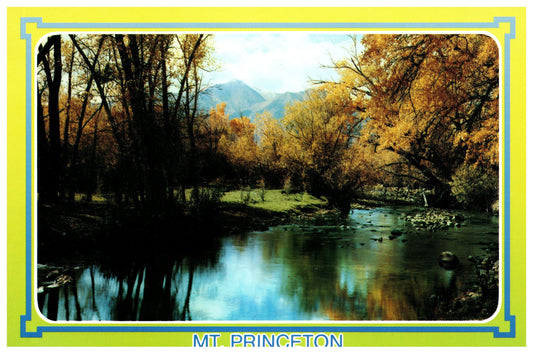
(355, 270)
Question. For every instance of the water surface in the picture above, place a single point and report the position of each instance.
(352, 271)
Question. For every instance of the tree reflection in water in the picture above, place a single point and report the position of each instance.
(153, 288)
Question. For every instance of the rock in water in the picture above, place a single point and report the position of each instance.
(435, 219)
(448, 260)
(396, 232)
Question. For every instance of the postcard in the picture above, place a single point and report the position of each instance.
(250, 177)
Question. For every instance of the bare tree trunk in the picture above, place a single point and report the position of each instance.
(43, 185)
(92, 163)
(54, 166)
(66, 128)
(81, 124)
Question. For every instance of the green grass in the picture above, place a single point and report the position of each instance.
(274, 200)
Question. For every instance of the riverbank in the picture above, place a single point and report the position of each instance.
(479, 299)
(77, 228)
(256, 210)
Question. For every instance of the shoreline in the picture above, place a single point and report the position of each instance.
(77, 227)
(70, 229)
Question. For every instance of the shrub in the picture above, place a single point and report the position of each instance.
(262, 190)
(208, 200)
(292, 185)
(246, 196)
(475, 187)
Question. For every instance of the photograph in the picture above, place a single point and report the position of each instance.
(368, 192)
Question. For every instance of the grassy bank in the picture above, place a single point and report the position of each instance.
(257, 209)
(272, 200)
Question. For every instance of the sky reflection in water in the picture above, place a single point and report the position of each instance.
(287, 273)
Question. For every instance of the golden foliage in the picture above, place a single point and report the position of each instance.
(430, 99)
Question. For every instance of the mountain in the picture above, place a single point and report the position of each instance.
(237, 95)
(268, 95)
(243, 100)
(277, 105)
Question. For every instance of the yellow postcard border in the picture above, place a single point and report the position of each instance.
(32, 328)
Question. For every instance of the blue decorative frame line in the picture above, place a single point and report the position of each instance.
(271, 25)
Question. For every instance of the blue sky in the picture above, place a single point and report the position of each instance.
(277, 62)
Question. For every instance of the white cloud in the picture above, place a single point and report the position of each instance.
(277, 61)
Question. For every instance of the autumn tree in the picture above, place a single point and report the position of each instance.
(272, 139)
(79, 113)
(229, 145)
(100, 82)
(241, 149)
(128, 112)
(319, 152)
(213, 161)
(195, 59)
(432, 100)
(139, 58)
(154, 128)
(67, 104)
(217, 126)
